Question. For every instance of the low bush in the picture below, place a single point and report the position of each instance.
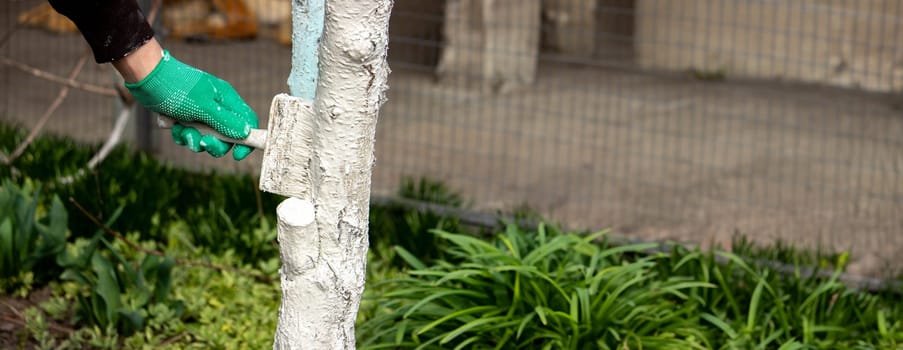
(117, 297)
(757, 307)
(432, 282)
(32, 235)
(151, 194)
(535, 290)
(550, 290)
(115, 287)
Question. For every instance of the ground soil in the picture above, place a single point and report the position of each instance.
(13, 334)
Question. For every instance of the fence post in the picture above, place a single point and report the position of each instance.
(323, 238)
(491, 45)
(572, 26)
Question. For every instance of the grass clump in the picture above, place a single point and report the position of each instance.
(535, 290)
(546, 289)
(786, 253)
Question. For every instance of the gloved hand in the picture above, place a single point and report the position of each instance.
(188, 94)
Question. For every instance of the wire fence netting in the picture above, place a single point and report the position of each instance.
(688, 120)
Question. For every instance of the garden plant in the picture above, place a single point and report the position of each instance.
(94, 264)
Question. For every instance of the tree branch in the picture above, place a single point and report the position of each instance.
(51, 325)
(9, 35)
(64, 91)
(155, 9)
(69, 82)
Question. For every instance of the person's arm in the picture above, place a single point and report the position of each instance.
(139, 63)
(118, 32)
(113, 28)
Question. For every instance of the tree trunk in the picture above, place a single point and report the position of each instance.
(323, 239)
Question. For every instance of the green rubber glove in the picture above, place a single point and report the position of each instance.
(189, 94)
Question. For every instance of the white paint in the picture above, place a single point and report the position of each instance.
(296, 212)
(289, 147)
(323, 152)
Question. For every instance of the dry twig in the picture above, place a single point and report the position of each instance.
(155, 9)
(69, 82)
(64, 91)
(184, 262)
(8, 35)
(13, 310)
(115, 136)
(51, 325)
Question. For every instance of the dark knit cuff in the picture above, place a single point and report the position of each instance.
(113, 28)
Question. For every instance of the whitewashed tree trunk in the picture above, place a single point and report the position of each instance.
(323, 239)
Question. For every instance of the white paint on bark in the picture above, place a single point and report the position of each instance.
(296, 212)
(327, 158)
(289, 147)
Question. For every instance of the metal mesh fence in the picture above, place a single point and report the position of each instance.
(663, 119)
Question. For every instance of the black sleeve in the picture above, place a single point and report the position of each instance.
(113, 28)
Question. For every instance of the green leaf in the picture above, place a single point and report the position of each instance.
(437, 295)
(454, 315)
(133, 320)
(792, 345)
(773, 337)
(107, 286)
(145, 274)
(467, 342)
(540, 311)
(468, 326)
(717, 322)
(523, 323)
(510, 242)
(574, 306)
(754, 306)
(25, 221)
(882, 324)
(9, 266)
(55, 235)
(98, 310)
(399, 334)
(544, 251)
(163, 283)
(460, 274)
(409, 258)
(464, 241)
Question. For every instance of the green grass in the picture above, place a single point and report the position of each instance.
(148, 196)
(433, 283)
(533, 290)
(546, 289)
(786, 253)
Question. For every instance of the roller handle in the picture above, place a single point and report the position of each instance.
(257, 138)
